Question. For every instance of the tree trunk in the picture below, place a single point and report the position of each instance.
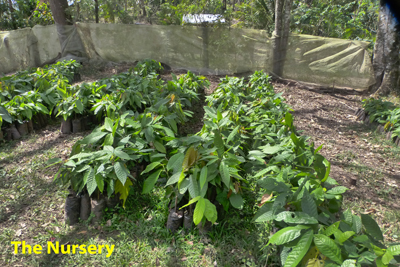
(386, 60)
(96, 10)
(11, 13)
(281, 34)
(58, 9)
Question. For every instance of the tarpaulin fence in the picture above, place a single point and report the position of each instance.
(206, 50)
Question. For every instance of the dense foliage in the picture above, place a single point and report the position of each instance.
(248, 144)
(347, 19)
(385, 113)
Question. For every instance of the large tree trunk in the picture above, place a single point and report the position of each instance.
(281, 34)
(386, 60)
(70, 41)
(58, 9)
(96, 10)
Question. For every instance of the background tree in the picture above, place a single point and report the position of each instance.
(386, 59)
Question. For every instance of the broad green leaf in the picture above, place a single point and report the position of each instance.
(120, 172)
(190, 158)
(285, 235)
(193, 200)
(151, 181)
(53, 161)
(174, 178)
(295, 217)
(151, 167)
(121, 154)
(225, 176)
(41, 107)
(93, 137)
(356, 224)
(308, 205)
(371, 227)
(394, 250)
(264, 171)
(328, 248)
(194, 190)
(199, 211)
(210, 211)
(232, 134)
(149, 134)
(123, 190)
(175, 162)
(349, 263)
(79, 106)
(344, 236)
(331, 229)
(203, 176)
(108, 124)
(91, 184)
(269, 150)
(100, 182)
(160, 147)
(299, 250)
(236, 201)
(387, 257)
(219, 143)
(265, 213)
(109, 140)
(338, 190)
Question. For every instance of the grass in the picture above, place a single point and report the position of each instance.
(31, 210)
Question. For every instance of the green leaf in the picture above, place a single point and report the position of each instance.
(328, 247)
(356, 224)
(332, 229)
(91, 184)
(299, 250)
(93, 137)
(151, 181)
(395, 250)
(264, 171)
(199, 211)
(265, 213)
(100, 182)
(194, 190)
(53, 161)
(160, 147)
(338, 190)
(149, 134)
(349, 263)
(232, 134)
(203, 176)
(121, 154)
(308, 205)
(175, 162)
(108, 124)
(344, 236)
(210, 211)
(219, 143)
(79, 106)
(191, 201)
(174, 178)
(270, 149)
(41, 107)
(371, 227)
(295, 217)
(224, 171)
(123, 190)
(151, 167)
(285, 235)
(387, 257)
(109, 140)
(120, 172)
(236, 201)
